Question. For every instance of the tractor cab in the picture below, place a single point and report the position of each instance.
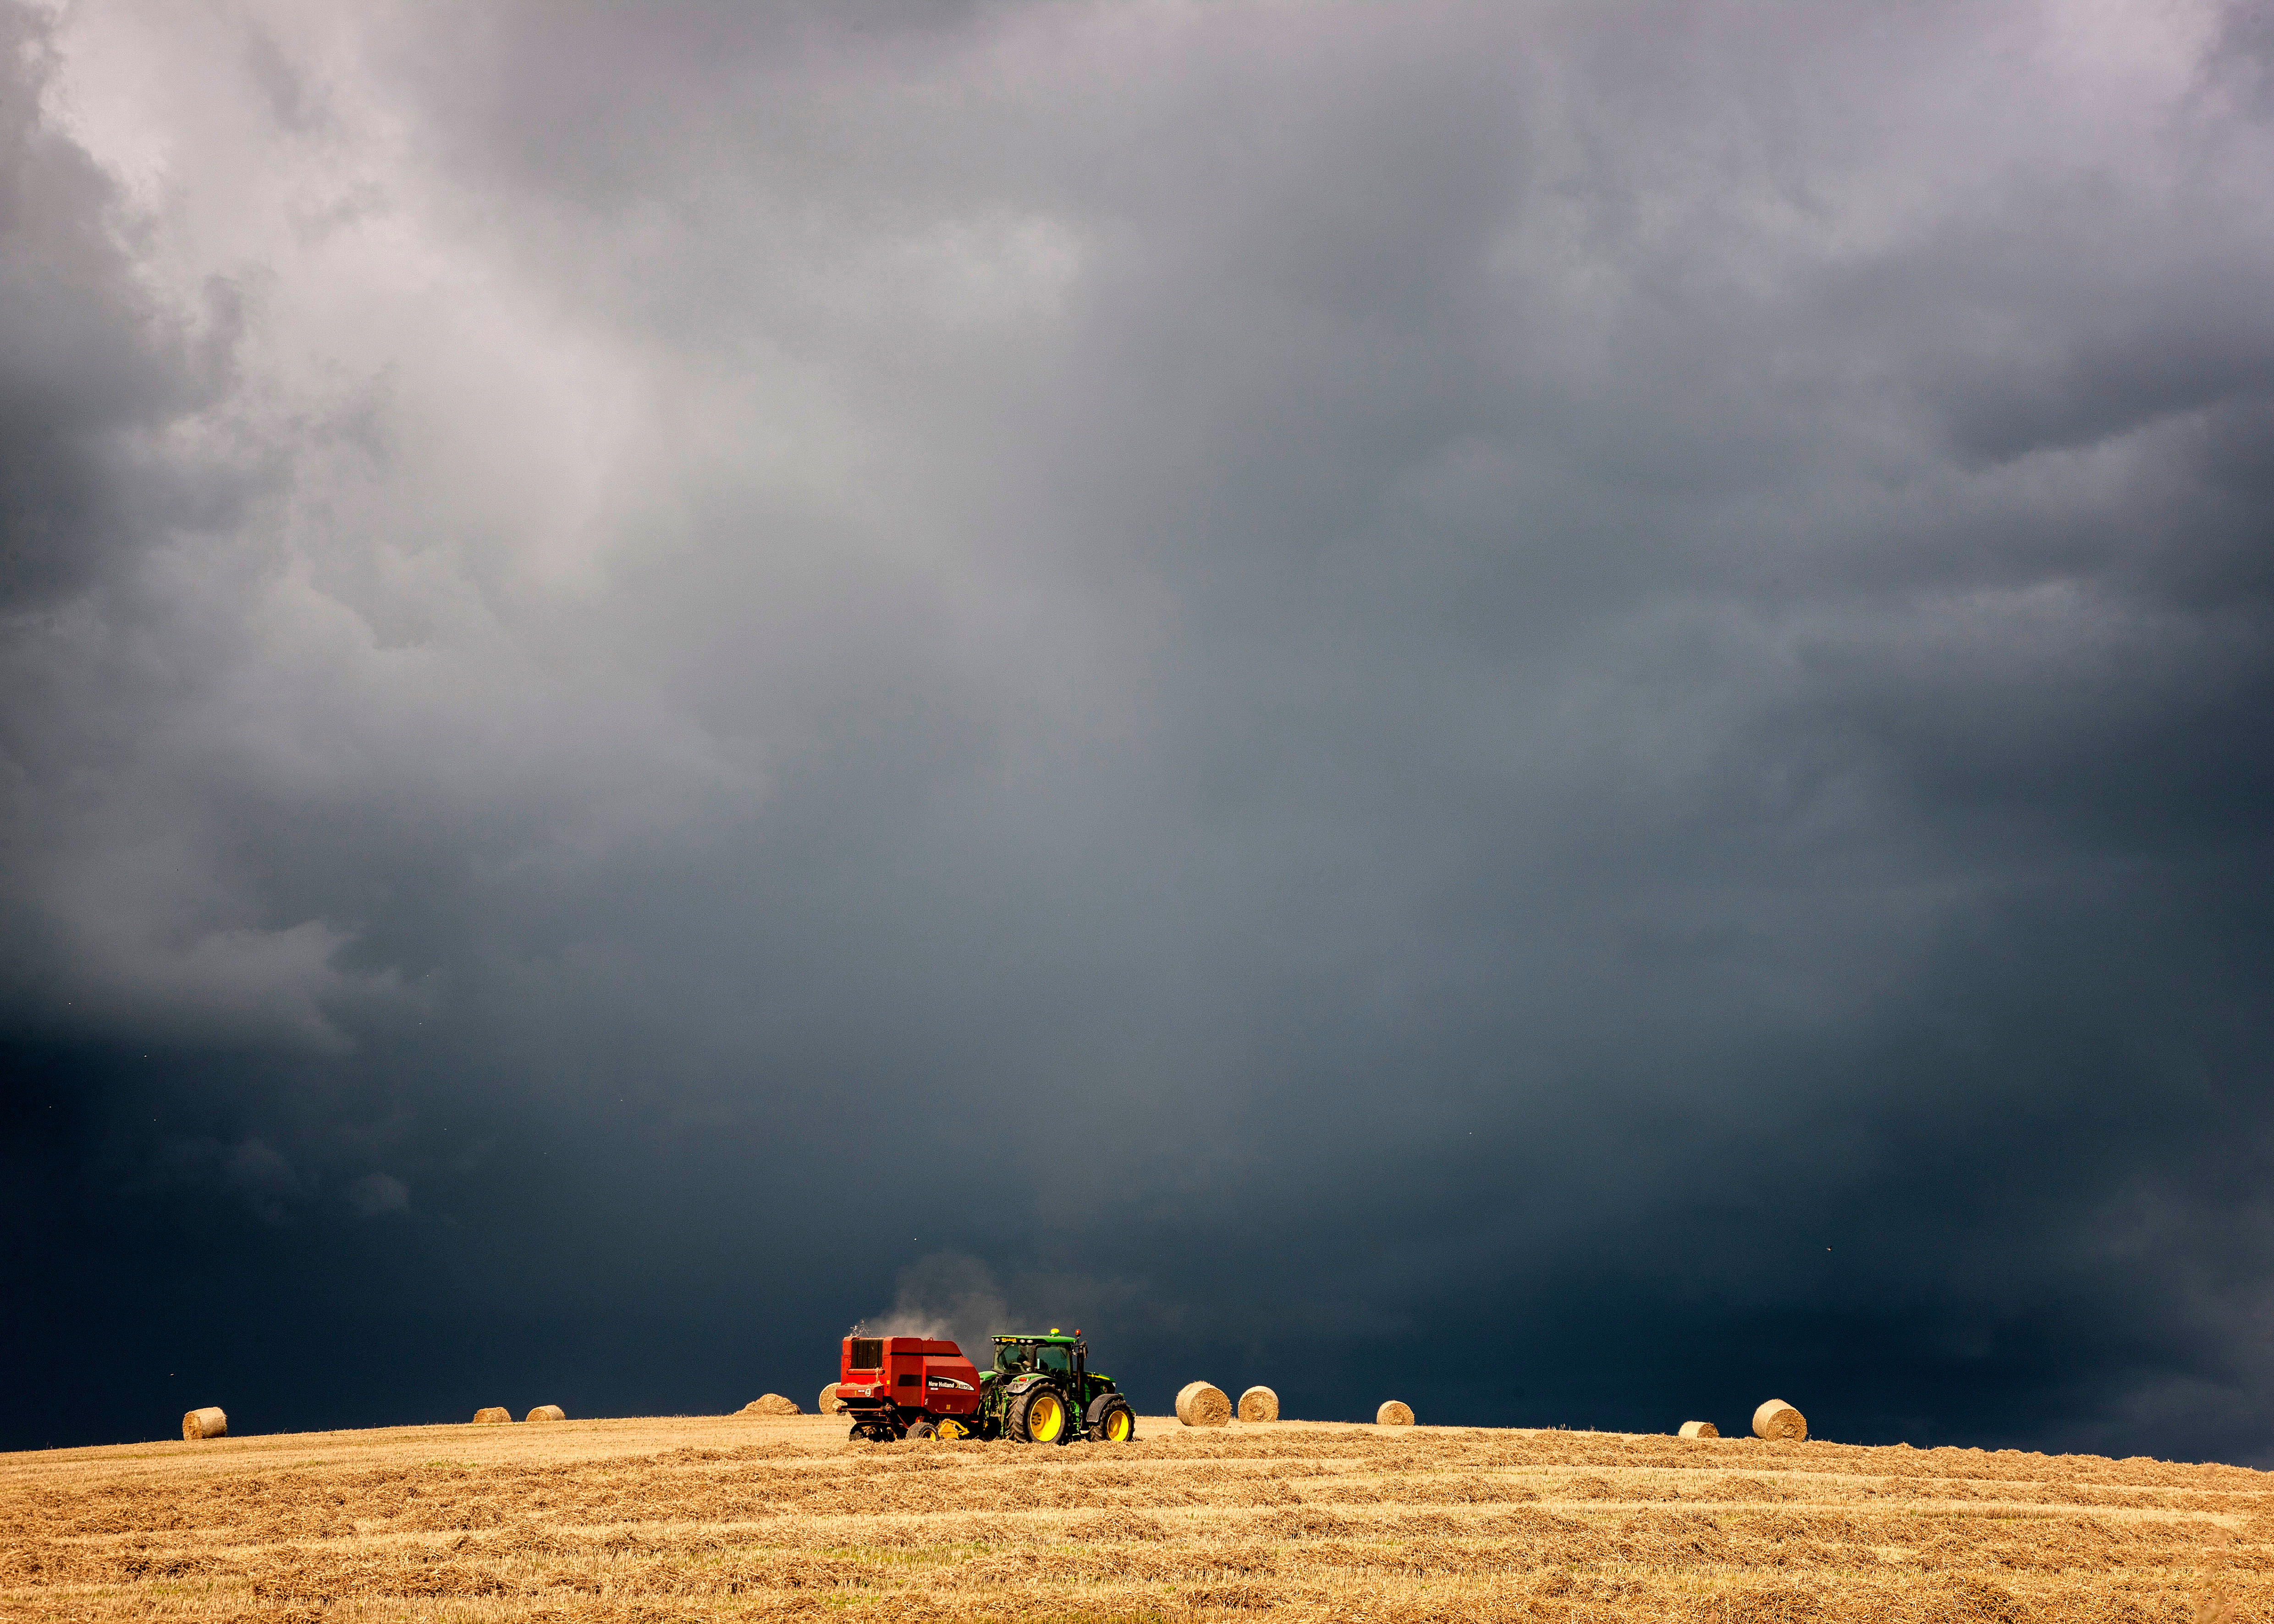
(1015, 1355)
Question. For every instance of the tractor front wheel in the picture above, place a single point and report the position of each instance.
(1112, 1421)
(1038, 1415)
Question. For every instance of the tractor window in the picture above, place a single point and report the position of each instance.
(1013, 1357)
(1056, 1359)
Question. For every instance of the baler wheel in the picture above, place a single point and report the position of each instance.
(923, 1429)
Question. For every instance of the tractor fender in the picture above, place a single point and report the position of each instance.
(1104, 1405)
(1021, 1384)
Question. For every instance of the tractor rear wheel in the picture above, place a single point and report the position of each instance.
(1038, 1415)
(1112, 1421)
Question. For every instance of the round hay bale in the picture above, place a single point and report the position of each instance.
(546, 1412)
(494, 1414)
(828, 1404)
(1199, 1404)
(1778, 1419)
(772, 1404)
(1259, 1404)
(1700, 1429)
(206, 1422)
(1394, 1414)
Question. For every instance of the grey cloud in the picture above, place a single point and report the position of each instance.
(93, 368)
(2242, 61)
(376, 1194)
(252, 1172)
(296, 104)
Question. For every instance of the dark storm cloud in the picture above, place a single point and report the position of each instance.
(92, 367)
(1282, 684)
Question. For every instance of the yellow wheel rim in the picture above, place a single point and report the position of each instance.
(1118, 1425)
(1045, 1419)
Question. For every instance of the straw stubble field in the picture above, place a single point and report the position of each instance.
(762, 1518)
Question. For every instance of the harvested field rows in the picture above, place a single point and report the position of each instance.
(761, 1518)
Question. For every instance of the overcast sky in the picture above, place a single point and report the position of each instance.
(1566, 711)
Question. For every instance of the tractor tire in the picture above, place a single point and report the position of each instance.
(1038, 1415)
(1110, 1420)
(924, 1429)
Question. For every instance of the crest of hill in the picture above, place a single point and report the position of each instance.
(696, 1515)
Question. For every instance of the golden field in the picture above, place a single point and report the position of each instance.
(703, 1517)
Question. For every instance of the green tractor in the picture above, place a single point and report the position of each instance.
(1041, 1391)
